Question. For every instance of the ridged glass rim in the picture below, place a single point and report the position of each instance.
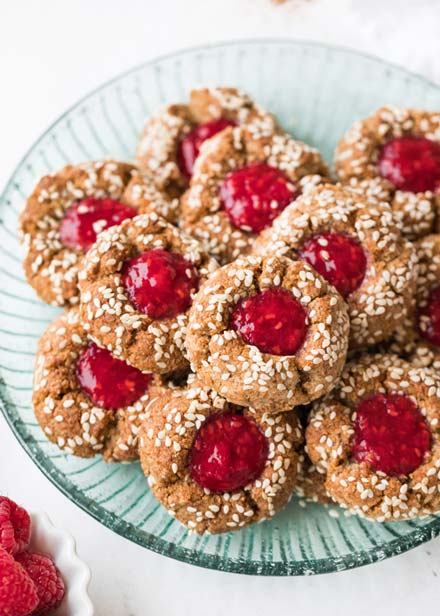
(110, 520)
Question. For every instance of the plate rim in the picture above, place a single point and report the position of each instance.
(109, 519)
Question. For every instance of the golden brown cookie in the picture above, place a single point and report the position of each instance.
(86, 401)
(418, 338)
(310, 482)
(218, 468)
(142, 192)
(137, 284)
(372, 189)
(169, 144)
(241, 183)
(377, 439)
(401, 148)
(355, 244)
(61, 219)
(268, 332)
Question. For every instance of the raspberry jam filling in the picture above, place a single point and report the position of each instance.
(273, 321)
(391, 434)
(85, 219)
(159, 283)
(108, 381)
(429, 318)
(189, 147)
(254, 195)
(411, 163)
(339, 259)
(228, 453)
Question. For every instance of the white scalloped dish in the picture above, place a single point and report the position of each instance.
(60, 545)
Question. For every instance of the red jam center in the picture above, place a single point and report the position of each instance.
(339, 259)
(85, 219)
(228, 453)
(189, 147)
(411, 163)
(391, 434)
(254, 195)
(108, 381)
(159, 283)
(429, 318)
(273, 321)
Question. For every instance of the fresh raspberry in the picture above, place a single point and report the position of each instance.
(228, 453)
(411, 163)
(429, 318)
(272, 320)
(339, 259)
(391, 434)
(18, 594)
(109, 382)
(15, 526)
(47, 580)
(254, 195)
(159, 283)
(189, 147)
(85, 219)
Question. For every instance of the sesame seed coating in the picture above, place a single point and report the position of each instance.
(166, 437)
(240, 372)
(143, 193)
(424, 356)
(377, 308)
(163, 132)
(233, 148)
(358, 152)
(67, 415)
(330, 430)
(310, 482)
(50, 267)
(106, 311)
(407, 341)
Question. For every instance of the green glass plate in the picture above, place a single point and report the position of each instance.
(317, 92)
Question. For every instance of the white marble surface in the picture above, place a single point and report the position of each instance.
(53, 52)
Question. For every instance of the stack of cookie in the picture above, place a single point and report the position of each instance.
(214, 291)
